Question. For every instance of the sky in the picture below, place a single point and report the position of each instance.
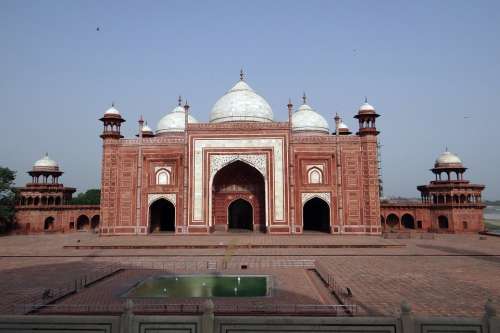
(430, 68)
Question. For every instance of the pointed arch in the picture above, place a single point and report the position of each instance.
(163, 177)
(316, 215)
(314, 176)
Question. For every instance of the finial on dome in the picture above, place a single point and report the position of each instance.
(242, 75)
(304, 98)
(113, 104)
(366, 99)
(46, 154)
(186, 106)
(179, 100)
(446, 149)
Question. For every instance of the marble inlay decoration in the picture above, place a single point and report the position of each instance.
(277, 172)
(322, 195)
(152, 197)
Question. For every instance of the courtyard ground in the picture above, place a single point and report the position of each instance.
(450, 275)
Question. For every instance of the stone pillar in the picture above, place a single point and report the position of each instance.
(406, 318)
(127, 317)
(208, 317)
(490, 321)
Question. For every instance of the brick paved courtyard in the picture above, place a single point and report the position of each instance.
(448, 275)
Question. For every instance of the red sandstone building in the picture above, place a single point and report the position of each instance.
(44, 204)
(244, 170)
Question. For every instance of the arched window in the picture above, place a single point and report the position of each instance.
(163, 177)
(315, 176)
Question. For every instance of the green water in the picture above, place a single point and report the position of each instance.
(201, 286)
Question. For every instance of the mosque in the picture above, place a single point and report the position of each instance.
(245, 171)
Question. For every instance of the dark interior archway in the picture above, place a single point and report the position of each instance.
(94, 222)
(82, 223)
(161, 216)
(238, 180)
(408, 221)
(48, 224)
(392, 220)
(443, 222)
(316, 215)
(240, 215)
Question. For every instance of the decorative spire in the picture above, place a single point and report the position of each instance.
(446, 149)
(242, 75)
(366, 99)
(304, 98)
(113, 104)
(186, 106)
(179, 100)
(289, 105)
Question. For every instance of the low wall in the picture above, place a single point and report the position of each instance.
(207, 322)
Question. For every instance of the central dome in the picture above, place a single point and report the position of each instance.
(241, 103)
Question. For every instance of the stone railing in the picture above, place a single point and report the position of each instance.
(207, 320)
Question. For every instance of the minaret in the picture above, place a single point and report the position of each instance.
(112, 121)
(291, 172)
(369, 164)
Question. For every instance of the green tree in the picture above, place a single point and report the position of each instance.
(90, 197)
(7, 198)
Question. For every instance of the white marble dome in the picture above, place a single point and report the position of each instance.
(366, 107)
(146, 128)
(343, 125)
(112, 111)
(45, 162)
(174, 121)
(306, 119)
(241, 103)
(447, 158)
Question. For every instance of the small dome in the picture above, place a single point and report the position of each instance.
(146, 128)
(241, 103)
(174, 121)
(447, 159)
(366, 107)
(306, 119)
(343, 125)
(112, 110)
(46, 163)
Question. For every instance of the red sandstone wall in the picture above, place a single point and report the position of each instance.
(32, 220)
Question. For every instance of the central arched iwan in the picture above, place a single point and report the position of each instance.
(238, 180)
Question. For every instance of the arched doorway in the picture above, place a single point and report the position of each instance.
(392, 221)
(443, 222)
(82, 223)
(94, 222)
(316, 215)
(161, 216)
(240, 215)
(48, 225)
(238, 180)
(408, 221)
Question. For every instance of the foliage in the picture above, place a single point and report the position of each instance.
(90, 197)
(7, 198)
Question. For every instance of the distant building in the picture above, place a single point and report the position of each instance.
(44, 204)
(244, 170)
(448, 204)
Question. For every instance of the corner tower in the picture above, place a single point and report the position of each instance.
(369, 167)
(111, 136)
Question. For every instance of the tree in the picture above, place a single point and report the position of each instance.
(7, 198)
(90, 197)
